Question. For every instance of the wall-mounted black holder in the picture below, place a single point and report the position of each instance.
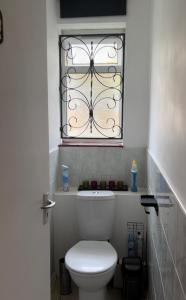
(1, 28)
(149, 201)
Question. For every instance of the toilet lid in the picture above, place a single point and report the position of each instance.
(91, 257)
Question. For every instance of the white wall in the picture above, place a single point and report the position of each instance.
(53, 74)
(167, 141)
(137, 74)
(136, 104)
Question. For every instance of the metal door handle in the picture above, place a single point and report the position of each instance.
(47, 203)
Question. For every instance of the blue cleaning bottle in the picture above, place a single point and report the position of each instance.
(131, 245)
(134, 173)
(65, 178)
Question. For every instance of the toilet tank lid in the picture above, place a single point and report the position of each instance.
(96, 194)
(91, 257)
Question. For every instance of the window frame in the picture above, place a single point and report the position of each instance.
(88, 141)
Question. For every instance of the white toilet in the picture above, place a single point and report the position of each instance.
(92, 261)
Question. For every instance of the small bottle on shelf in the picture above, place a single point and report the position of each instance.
(65, 178)
(134, 173)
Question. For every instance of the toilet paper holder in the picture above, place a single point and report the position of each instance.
(149, 201)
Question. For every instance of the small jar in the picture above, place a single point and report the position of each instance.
(86, 185)
(103, 185)
(120, 185)
(112, 185)
(94, 185)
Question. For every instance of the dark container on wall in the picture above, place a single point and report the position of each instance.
(92, 8)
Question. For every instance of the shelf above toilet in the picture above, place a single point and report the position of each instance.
(94, 193)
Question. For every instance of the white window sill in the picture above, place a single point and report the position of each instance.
(91, 143)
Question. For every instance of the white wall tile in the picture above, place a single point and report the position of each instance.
(167, 235)
(181, 247)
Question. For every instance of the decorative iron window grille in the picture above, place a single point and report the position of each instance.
(91, 86)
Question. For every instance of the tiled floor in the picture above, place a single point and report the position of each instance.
(113, 294)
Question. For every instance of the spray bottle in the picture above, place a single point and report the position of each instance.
(134, 172)
(65, 178)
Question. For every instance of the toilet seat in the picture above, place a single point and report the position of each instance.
(91, 257)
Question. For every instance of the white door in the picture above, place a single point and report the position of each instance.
(24, 158)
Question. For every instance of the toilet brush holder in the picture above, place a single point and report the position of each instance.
(64, 279)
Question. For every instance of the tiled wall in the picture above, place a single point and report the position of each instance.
(53, 169)
(103, 163)
(166, 241)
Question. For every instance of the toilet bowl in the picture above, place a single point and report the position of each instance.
(91, 265)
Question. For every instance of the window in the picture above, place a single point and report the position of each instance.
(91, 86)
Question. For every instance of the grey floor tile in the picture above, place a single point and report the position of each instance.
(113, 293)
